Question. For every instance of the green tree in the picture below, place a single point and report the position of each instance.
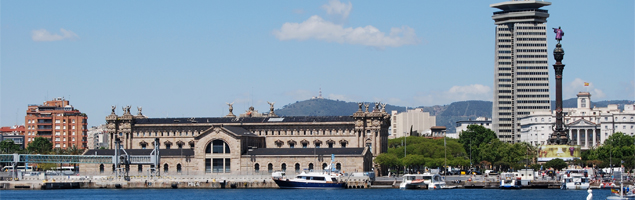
(616, 148)
(473, 137)
(9, 147)
(557, 163)
(40, 145)
(388, 160)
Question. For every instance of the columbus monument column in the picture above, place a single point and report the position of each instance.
(560, 134)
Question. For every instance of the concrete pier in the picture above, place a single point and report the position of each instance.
(162, 182)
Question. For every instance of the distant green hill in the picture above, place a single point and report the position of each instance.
(447, 115)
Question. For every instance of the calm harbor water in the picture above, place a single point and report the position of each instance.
(278, 194)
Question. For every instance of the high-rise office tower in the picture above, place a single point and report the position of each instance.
(521, 73)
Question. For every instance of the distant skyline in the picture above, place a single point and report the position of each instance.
(190, 58)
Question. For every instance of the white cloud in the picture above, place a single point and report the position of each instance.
(577, 85)
(338, 8)
(317, 28)
(43, 35)
(456, 93)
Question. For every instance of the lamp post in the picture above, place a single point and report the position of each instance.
(445, 158)
(405, 136)
(470, 153)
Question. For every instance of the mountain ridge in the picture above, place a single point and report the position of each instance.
(446, 115)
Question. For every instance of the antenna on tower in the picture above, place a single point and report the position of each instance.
(320, 96)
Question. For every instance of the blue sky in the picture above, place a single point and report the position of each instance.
(190, 58)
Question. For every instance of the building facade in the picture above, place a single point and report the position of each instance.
(521, 73)
(98, 137)
(588, 127)
(420, 121)
(57, 121)
(15, 133)
(252, 143)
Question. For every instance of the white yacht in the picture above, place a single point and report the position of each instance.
(311, 180)
(422, 181)
(575, 179)
(509, 181)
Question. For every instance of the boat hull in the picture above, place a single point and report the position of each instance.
(574, 186)
(284, 184)
(509, 187)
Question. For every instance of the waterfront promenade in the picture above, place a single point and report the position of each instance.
(262, 181)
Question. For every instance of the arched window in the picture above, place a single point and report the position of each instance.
(217, 147)
(297, 168)
(338, 166)
(270, 168)
(101, 168)
(178, 168)
(284, 167)
(165, 168)
(310, 166)
(257, 167)
(214, 163)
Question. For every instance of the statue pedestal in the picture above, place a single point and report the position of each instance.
(564, 152)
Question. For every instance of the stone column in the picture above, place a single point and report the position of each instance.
(595, 138)
(578, 138)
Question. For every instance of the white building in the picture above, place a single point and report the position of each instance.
(462, 125)
(521, 70)
(482, 121)
(97, 137)
(588, 127)
(420, 121)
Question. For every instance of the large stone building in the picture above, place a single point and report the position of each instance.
(252, 142)
(521, 73)
(57, 121)
(588, 126)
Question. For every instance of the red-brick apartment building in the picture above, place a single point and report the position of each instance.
(57, 121)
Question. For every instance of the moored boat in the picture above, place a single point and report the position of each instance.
(509, 181)
(311, 180)
(575, 179)
(422, 181)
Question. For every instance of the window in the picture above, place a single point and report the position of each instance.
(140, 168)
(284, 167)
(297, 168)
(291, 145)
(101, 168)
(338, 166)
(218, 147)
(310, 166)
(217, 165)
(143, 145)
(178, 168)
(330, 145)
(270, 168)
(168, 145)
(305, 145)
(165, 168)
(257, 167)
